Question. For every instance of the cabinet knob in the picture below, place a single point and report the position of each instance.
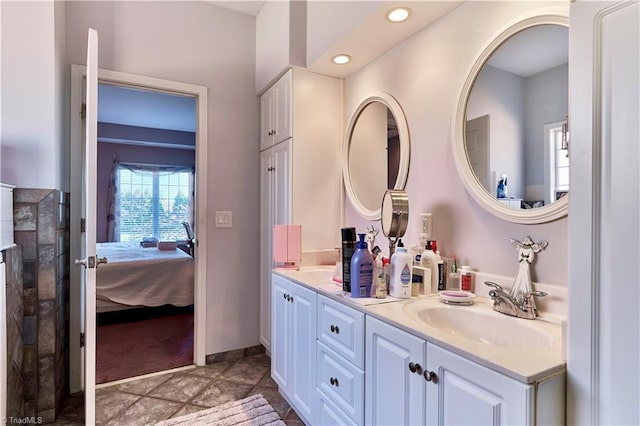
(430, 376)
(334, 329)
(333, 381)
(285, 296)
(415, 368)
(291, 299)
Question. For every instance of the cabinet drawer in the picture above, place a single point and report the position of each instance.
(329, 415)
(340, 382)
(342, 329)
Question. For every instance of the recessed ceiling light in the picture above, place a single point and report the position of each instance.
(398, 14)
(341, 59)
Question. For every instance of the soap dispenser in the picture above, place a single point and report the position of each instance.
(400, 283)
(361, 269)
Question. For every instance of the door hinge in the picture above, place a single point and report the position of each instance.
(83, 111)
(83, 225)
(82, 340)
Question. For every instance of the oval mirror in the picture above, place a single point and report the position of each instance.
(511, 130)
(376, 153)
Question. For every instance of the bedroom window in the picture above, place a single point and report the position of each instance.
(559, 161)
(154, 202)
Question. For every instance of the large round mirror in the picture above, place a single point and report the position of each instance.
(511, 124)
(376, 153)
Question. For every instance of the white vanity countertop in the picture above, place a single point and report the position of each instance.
(521, 358)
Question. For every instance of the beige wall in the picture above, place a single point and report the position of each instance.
(425, 74)
(32, 137)
(199, 43)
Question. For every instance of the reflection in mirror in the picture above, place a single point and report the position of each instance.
(368, 154)
(515, 115)
(376, 156)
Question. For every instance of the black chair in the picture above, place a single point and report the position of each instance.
(190, 242)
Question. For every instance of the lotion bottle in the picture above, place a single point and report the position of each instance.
(361, 270)
(429, 260)
(400, 283)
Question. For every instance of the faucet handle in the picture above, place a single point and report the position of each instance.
(494, 285)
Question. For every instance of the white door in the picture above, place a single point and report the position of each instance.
(88, 258)
(280, 335)
(394, 386)
(282, 183)
(266, 225)
(303, 349)
(477, 140)
(465, 393)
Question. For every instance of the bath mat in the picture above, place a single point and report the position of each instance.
(251, 411)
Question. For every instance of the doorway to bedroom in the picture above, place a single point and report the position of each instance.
(145, 214)
(188, 243)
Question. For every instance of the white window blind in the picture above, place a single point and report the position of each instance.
(154, 202)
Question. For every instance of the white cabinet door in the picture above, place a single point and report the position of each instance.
(302, 325)
(280, 331)
(276, 112)
(293, 338)
(266, 226)
(275, 208)
(394, 394)
(465, 393)
(267, 129)
(282, 100)
(282, 183)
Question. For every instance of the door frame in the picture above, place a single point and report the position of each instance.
(78, 74)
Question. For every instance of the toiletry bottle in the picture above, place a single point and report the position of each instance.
(453, 281)
(361, 269)
(348, 247)
(466, 278)
(441, 272)
(379, 279)
(387, 272)
(416, 251)
(429, 261)
(400, 273)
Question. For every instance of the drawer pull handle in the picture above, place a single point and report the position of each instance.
(333, 381)
(430, 376)
(415, 368)
(334, 329)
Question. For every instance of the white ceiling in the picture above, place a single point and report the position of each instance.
(374, 35)
(533, 50)
(527, 53)
(135, 107)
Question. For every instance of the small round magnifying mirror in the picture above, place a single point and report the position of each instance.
(394, 216)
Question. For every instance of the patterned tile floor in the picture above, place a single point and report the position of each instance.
(147, 401)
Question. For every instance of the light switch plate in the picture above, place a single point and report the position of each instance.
(224, 219)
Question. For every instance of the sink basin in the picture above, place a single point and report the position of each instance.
(483, 325)
(314, 274)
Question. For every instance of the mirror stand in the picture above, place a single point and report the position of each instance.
(394, 216)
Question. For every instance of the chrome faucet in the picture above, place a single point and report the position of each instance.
(506, 304)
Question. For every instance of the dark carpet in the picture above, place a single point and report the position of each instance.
(141, 341)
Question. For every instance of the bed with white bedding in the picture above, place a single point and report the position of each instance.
(135, 276)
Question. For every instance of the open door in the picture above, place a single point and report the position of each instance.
(88, 259)
(477, 140)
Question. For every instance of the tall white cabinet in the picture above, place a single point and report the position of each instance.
(294, 344)
(301, 124)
